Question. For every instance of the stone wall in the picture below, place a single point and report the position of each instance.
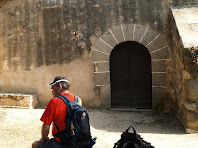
(183, 82)
(40, 39)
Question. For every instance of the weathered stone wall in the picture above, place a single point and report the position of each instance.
(38, 42)
(40, 39)
(182, 78)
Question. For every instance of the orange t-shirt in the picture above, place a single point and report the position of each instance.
(56, 111)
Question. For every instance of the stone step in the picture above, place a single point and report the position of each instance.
(19, 100)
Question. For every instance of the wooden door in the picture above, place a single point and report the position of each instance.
(130, 75)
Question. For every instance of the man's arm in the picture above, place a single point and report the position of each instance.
(45, 132)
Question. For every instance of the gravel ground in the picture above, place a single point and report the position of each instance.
(20, 127)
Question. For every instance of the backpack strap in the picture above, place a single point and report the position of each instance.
(76, 98)
(56, 126)
(64, 98)
(67, 101)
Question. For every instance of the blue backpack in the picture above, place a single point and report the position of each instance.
(77, 132)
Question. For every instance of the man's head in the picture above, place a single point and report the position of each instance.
(59, 85)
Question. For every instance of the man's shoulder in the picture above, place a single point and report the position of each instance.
(54, 99)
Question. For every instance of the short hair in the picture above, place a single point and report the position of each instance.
(65, 85)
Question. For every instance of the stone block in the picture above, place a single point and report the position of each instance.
(192, 128)
(18, 100)
(191, 88)
(149, 37)
(190, 106)
(156, 43)
(140, 30)
(11, 102)
(157, 96)
(191, 116)
(99, 56)
(109, 38)
(192, 125)
(105, 97)
(159, 66)
(161, 53)
(97, 90)
(102, 78)
(118, 34)
(159, 79)
(103, 47)
(128, 30)
(186, 75)
(101, 66)
(191, 121)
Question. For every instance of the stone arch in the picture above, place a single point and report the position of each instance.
(152, 40)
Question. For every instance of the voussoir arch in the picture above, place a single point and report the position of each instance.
(151, 39)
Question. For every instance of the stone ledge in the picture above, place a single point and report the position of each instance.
(190, 106)
(191, 127)
(191, 121)
(20, 100)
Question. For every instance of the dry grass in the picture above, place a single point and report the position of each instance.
(20, 127)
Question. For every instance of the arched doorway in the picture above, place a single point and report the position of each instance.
(130, 76)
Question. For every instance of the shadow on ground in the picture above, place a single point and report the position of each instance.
(142, 121)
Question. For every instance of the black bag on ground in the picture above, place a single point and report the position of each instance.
(131, 140)
(77, 132)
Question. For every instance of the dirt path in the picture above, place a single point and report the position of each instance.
(20, 127)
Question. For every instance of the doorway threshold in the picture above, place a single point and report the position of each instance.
(131, 109)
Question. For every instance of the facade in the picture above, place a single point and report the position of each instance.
(116, 53)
